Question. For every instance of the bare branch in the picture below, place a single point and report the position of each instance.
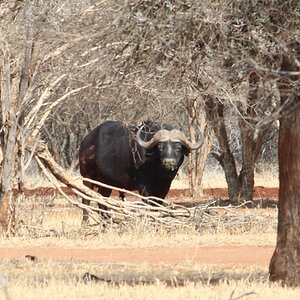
(42, 119)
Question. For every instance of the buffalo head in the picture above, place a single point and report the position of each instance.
(169, 146)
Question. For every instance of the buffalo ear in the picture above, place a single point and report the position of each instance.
(150, 152)
(185, 151)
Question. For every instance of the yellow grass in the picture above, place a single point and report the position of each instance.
(65, 223)
(63, 280)
(114, 240)
(215, 178)
(159, 291)
(56, 290)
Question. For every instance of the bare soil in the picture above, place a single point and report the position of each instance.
(221, 255)
(259, 192)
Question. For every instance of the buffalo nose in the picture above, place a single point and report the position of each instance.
(169, 163)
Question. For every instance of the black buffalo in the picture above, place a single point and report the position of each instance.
(144, 159)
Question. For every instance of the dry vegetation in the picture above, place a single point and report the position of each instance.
(63, 280)
(53, 222)
(52, 280)
(62, 227)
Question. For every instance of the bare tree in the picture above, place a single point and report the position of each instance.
(197, 159)
(222, 71)
(25, 102)
(135, 77)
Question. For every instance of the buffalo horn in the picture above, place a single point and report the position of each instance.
(178, 136)
(159, 136)
(174, 135)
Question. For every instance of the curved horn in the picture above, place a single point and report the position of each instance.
(160, 135)
(174, 135)
(178, 136)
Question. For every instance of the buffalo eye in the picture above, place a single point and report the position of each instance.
(178, 148)
(160, 146)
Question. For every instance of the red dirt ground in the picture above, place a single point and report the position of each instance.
(226, 255)
(259, 192)
(221, 255)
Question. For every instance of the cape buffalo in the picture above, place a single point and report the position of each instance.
(144, 158)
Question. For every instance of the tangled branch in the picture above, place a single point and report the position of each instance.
(206, 215)
(119, 211)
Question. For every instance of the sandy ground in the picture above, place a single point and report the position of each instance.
(227, 255)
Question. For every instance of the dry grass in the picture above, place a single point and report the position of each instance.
(115, 240)
(226, 291)
(60, 225)
(63, 280)
(51, 222)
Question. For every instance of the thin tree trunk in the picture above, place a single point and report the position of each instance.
(197, 158)
(10, 105)
(202, 156)
(215, 113)
(247, 124)
(285, 262)
(246, 176)
(9, 149)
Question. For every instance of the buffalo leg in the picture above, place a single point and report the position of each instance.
(105, 192)
(85, 215)
(146, 192)
(122, 196)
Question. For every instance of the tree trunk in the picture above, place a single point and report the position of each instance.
(11, 115)
(246, 176)
(215, 113)
(285, 262)
(197, 158)
(8, 176)
(9, 147)
(4, 209)
(240, 184)
(286, 258)
(247, 124)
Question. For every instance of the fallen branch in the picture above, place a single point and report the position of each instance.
(168, 214)
(205, 216)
